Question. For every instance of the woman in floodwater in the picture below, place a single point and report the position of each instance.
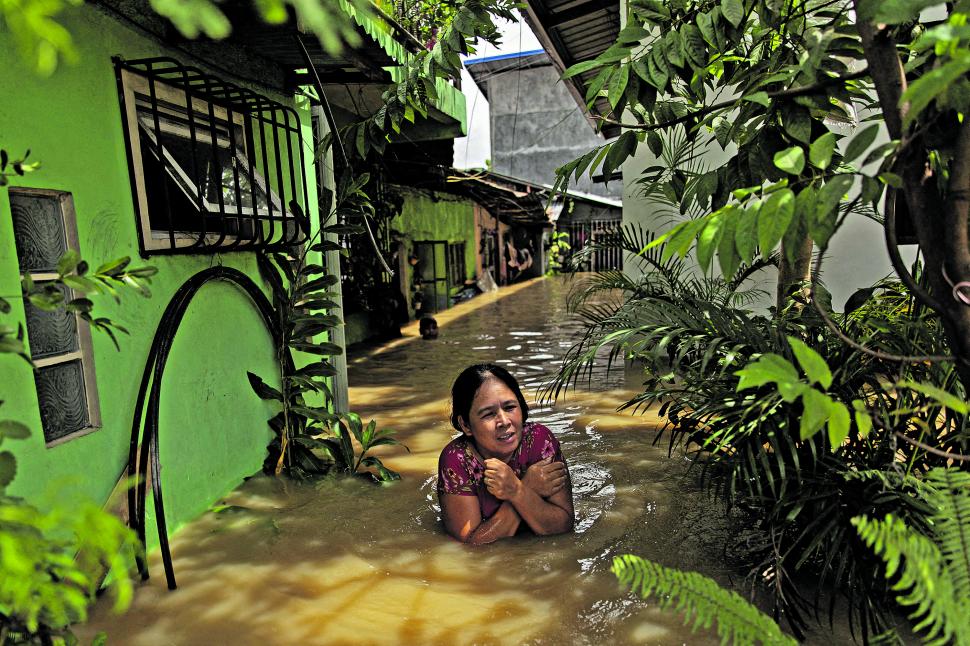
(501, 474)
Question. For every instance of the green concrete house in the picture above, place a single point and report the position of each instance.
(186, 156)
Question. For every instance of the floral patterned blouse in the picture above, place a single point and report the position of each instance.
(461, 473)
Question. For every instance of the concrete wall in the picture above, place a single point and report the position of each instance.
(213, 428)
(537, 126)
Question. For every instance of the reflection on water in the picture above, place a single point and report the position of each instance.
(346, 562)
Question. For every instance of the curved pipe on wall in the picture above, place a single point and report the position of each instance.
(143, 448)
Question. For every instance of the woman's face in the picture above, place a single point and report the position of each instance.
(495, 420)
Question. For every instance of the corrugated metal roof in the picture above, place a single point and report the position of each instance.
(573, 31)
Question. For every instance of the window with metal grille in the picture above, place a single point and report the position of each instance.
(456, 264)
(60, 342)
(214, 167)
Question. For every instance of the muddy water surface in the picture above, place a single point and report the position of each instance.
(346, 562)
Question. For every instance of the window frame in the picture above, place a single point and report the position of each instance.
(258, 212)
(85, 351)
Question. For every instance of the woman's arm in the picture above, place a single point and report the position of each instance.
(543, 516)
(463, 520)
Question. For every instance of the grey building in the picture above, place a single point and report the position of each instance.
(536, 124)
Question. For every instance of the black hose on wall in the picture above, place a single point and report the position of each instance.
(144, 437)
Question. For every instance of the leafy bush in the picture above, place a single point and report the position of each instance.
(55, 561)
(748, 395)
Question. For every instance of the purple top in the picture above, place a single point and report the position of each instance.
(461, 473)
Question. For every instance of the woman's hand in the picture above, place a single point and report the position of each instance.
(545, 477)
(500, 480)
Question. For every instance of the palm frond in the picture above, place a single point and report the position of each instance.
(701, 601)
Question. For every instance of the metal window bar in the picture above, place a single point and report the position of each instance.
(232, 119)
(596, 231)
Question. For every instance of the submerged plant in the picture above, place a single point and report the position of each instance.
(311, 438)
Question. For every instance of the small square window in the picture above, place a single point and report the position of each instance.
(60, 342)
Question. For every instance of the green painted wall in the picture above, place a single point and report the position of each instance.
(430, 215)
(213, 428)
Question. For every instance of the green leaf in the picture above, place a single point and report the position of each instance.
(681, 238)
(862, 420)
(798, 123)
(68, 262)
(618, 85)
(657, 68)
(579, 68)
(655, 144)
(860, 143)
(746, 235)
(622, 148)
(706, 23)
(932, 84)
(708, 239)
(895, 12)
(760, 98)
(727, 254)
(80, 283)
(839, 424)
(768, 368)
(674, 49)
(945, 398)
(8, 468)
(820, 152)
(320, 348)
(318, 283)
(694, 45)
(892, 179)
(113, 267)
(811, 362)
(262, 389)
(733, 11)
(825, 217)
(816, 411)
(11, 430)
(791, 160)
(774, 219)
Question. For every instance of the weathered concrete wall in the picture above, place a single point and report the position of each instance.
(537, 126)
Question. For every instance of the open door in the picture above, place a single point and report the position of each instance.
(431, 274)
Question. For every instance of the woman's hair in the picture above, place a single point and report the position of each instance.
(468, 383)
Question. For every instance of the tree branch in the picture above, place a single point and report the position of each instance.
(935, 451)
(957, 203)
(887, 73)
(855, 344)
(892, 246)
(720, 105)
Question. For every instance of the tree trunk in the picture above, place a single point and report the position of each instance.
(940, 219)
(794, 276)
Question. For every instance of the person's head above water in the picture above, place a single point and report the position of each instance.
(469, 382)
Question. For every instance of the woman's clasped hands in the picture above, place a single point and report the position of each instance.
(545, 478)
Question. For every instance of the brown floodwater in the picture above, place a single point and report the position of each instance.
(343, 561)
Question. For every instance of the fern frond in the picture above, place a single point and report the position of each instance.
(924, 581)
(701, 600)
(949, 495)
